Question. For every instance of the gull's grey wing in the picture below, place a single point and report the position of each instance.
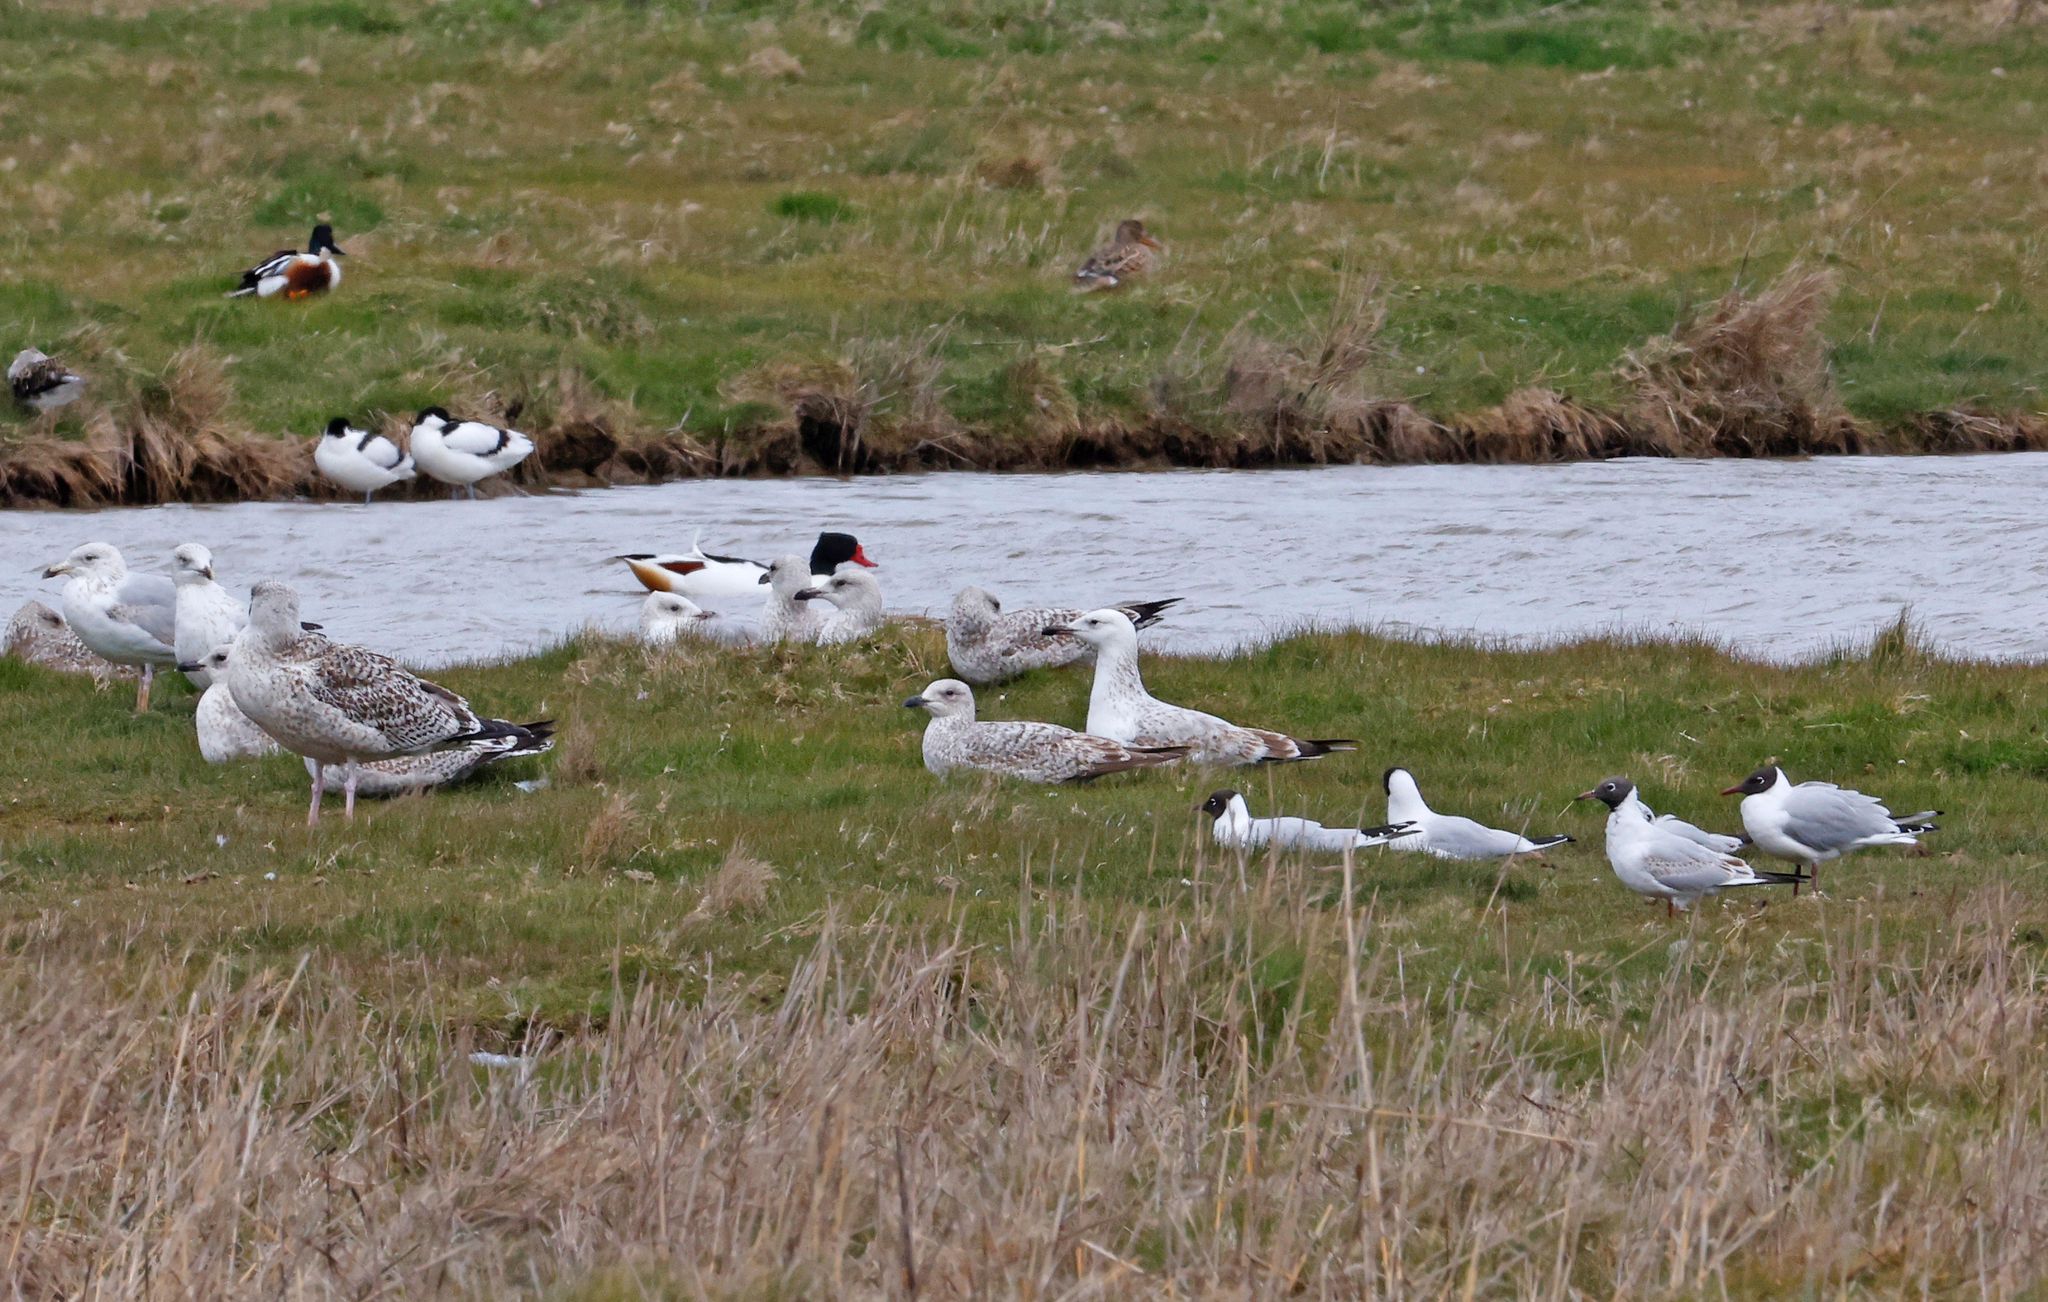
(150, 602)
(1691, 868)
(1827, 817)
(1462, 838)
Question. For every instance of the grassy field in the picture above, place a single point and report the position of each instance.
(823, 234)
(793, 1019)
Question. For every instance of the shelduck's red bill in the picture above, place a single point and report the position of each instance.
(860, 557)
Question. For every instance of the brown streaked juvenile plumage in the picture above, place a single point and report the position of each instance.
(1129, 254)
(1031, 752)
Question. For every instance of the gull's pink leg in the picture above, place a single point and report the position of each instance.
(313, 814)
(348, 793)
(142, 689)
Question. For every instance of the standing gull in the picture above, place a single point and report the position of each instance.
(461, 452)
(783, 617)
(225, 733)
(1235, 829)
(207, 614)
(988, 644)
(40, 382)
(335, 703)
(1033, 752)
(361, 461)
(130, 619)
(1448, 836)
(1814, 822)
(1651, 859)
(856, 597)
(1121, 709)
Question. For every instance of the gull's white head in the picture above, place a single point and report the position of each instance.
(665, 614)
(788, 576)
(850, 587)
(94, 560)
(1099, 629)
(214, 661)
(948, 698)
(274, 611)
(192, 563)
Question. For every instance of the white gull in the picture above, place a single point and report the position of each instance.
(783, 617)
(856, 597)
(1449, 836)
(1813, 822)
(130, 619)
(1654, 861)
(225, 733)
(208, 615)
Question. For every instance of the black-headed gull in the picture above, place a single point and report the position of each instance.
(1234, 828)
(1449, 836)
(130, 619)
(988, 644)
(1032, 752)
(1814, 822)
(208, 615)
(361, 461)
(40, 382)
(334, 703)
(856, 598)
(697, 573)
(461, 452)
(1121, 709)
(1673, 823)
(1652, 860)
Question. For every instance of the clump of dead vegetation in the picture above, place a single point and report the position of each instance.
(1160, 1111)
(877, 405)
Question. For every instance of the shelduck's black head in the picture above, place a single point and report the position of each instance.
(337, 427)
(836, 549)
(1611, 792)
(1756, 783)
(1217, 803)
(323, 241)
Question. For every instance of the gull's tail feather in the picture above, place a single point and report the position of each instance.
(1135, 757)
(525, 738)
(1545, 842)
(1915, 824)
(1144, 614)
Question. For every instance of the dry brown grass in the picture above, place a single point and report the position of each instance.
(1077, 1114)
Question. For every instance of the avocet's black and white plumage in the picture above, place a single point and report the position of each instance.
(1449, 836)
(988, 644)
(293, 274)
(461, 452)
(1121, 709)
(1653, 860)
(40, 382)
(1235, 829)
(361, 461)
(334, 703)
(1813, 822)
(1030, 752)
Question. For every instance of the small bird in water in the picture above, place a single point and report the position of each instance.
(1129, 254)
(41, 382)
(360, 460)
(294, 274)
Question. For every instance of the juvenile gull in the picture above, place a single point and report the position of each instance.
(440, 768)
(38, 635)
(208, 615)
(1448, 836)
(1121, 709)
(667, 617)
(1034, 752)
(1651, 859)
(461, 452)
(334, 703)
(1234, 828)
(988, 644)
(1814, 822)
(225, 733)
(361, 461)
(130, 619)
(40, 382)
(857, 600)
(783, 617)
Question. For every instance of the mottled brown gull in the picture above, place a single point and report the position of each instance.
(1033, 752)
(225, 733)
(988, 644)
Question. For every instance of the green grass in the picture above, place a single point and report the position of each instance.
(654, 196)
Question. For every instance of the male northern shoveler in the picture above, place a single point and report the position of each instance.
(1129, 254)
(294, 274)
(40, 382)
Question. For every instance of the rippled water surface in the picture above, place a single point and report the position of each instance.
(1780, 559)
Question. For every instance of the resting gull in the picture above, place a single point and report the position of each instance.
(130, 619)
(40, 382)
(856, 596)
(783, 617)
(1235, 829)
(1447, 836)
(988, 644)
(1651, 859)
(667, 617)
(1034, 752)
(334, 703)
(225, 733)
(1814, 822)
(38, 635)
(1121, 709)
(440, 768)
(207, 614)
